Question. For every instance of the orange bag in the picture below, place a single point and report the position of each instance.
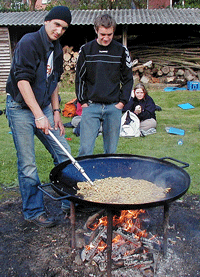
(70, 108)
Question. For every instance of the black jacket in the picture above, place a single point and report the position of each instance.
(30, 64)
(104, 73)
(147, 104)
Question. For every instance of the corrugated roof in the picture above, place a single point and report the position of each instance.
(86, 17)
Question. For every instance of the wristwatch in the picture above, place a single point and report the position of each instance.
(57, 110)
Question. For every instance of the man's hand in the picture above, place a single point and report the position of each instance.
(56, 114)
(43, 124)
(119, 105)
(58, 123)
(85, 105)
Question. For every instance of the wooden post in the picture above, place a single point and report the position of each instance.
(73, 222)
(124, 35)
(165, 227)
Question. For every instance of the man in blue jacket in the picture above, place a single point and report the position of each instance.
(104, 81)
(33, 106)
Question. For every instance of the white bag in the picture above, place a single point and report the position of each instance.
(130, 125)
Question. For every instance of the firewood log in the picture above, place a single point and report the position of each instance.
(147, 64)
(67, 68)
(180, 72)
(188, 76)
(73, 60)
(160, 73)
(67, 57)
(67, 49)
(92, 219)
(165, 70)
(75, 55)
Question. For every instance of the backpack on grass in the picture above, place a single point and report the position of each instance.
(70, 108)
(130, 125)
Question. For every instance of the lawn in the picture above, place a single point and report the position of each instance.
(158, 145)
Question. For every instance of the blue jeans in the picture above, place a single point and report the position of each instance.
(92, 117)
(22, 124)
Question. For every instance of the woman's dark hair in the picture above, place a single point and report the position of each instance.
(140, 85)
(104, 20)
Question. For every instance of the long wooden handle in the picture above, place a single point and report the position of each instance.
(74, 162)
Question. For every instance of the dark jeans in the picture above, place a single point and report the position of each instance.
(22, 124)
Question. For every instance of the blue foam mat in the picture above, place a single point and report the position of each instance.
(186, 106)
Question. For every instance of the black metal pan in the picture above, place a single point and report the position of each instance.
(161, 172)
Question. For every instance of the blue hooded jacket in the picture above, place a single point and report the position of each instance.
(30, 64)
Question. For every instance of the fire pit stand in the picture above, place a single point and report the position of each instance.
(64, 178)
(110, 214)
(109, 241)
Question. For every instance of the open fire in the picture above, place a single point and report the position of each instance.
(132, 246)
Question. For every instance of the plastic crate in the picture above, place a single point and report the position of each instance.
(193, 85)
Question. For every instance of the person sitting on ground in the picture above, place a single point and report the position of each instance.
(141, 104)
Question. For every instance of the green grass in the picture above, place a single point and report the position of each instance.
(159, 145)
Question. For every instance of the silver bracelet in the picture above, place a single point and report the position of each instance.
(40, 118)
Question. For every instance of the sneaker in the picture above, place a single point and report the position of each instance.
(43, 221)
(68, 125)
(151, 131)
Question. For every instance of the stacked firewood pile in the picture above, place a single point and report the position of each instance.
(172, 63)
(70, 59)
(166, 64)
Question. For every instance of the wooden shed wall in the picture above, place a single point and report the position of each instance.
(5, 57)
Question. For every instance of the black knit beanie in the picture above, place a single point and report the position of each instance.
(59, 12)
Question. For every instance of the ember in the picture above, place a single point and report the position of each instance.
(132, 246)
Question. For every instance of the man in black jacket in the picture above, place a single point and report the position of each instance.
(33, 106)
(104, 81)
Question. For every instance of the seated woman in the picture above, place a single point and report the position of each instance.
(144, 107)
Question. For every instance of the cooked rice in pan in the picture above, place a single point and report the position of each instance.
(119, 190)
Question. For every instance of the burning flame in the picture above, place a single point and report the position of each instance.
(131, 244)
(102, 221)
(102, 245)
(128, 221)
